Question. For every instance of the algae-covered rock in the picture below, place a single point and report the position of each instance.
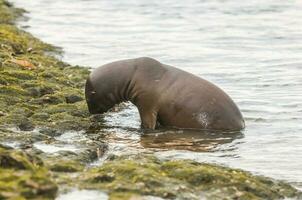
(58, 165)
(183, 179)
(52, 90)
(23, 177)
(15, 160)
(73, 98)
(32, 78)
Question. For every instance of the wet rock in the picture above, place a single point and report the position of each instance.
(65, 122)
(33, 150)
(3, 82)
(65, 166)
(111, 157)
(33, 91)
(73, 98)
(48, 99)
(41, 116)
(15, 160)
(26, 125)
(34, 159)
(19, 74)
(23, 177)
(10, 90)
(38, 91)
(26, 145)
(50, 132)
(103, 178)
(38, 136)
(88, 155)
(60, 108)
(181, 179)
(7, 161)
(53, 91)
(67, 154)
(3, 146)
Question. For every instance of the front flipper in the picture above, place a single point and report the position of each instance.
(148, 118)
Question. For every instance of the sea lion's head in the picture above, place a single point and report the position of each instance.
(95, 99)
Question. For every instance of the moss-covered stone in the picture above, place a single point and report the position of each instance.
(65, 166)
(184, 179)
(23, 177)
(51, 87)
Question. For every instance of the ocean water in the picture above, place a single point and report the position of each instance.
(250, 49)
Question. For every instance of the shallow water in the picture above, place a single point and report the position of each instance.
(251, 49)
(83, 195)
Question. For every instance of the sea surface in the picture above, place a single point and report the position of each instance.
(250, 49)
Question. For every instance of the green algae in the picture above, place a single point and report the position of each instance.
(51, 88)
(183, 179)
(65, 166)
(46, 89)
(23, 176)
(47, 95)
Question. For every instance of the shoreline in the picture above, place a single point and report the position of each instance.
(42, 98)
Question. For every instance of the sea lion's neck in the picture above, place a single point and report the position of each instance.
(125, 80)
(124, 88)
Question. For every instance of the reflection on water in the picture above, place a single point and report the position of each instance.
(192, 140)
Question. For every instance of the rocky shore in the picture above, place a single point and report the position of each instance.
(42, 103)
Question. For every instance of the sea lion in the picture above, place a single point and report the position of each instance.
(164, 95)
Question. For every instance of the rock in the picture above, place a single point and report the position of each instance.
(23, 177)
(73, 98)
(2, 114)
(14, 160)
(41, 116)
(9, 162)
(26, 125)
(38, 136)
(181, 179)
(50, 132)
(39, 91)
(53, 92)
(3, 146)
(58, 165)
(49, 99)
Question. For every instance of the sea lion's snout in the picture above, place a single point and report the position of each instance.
(90, 96)
(91, 109)
(93, 105)
(96, 100)
(95, 108)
